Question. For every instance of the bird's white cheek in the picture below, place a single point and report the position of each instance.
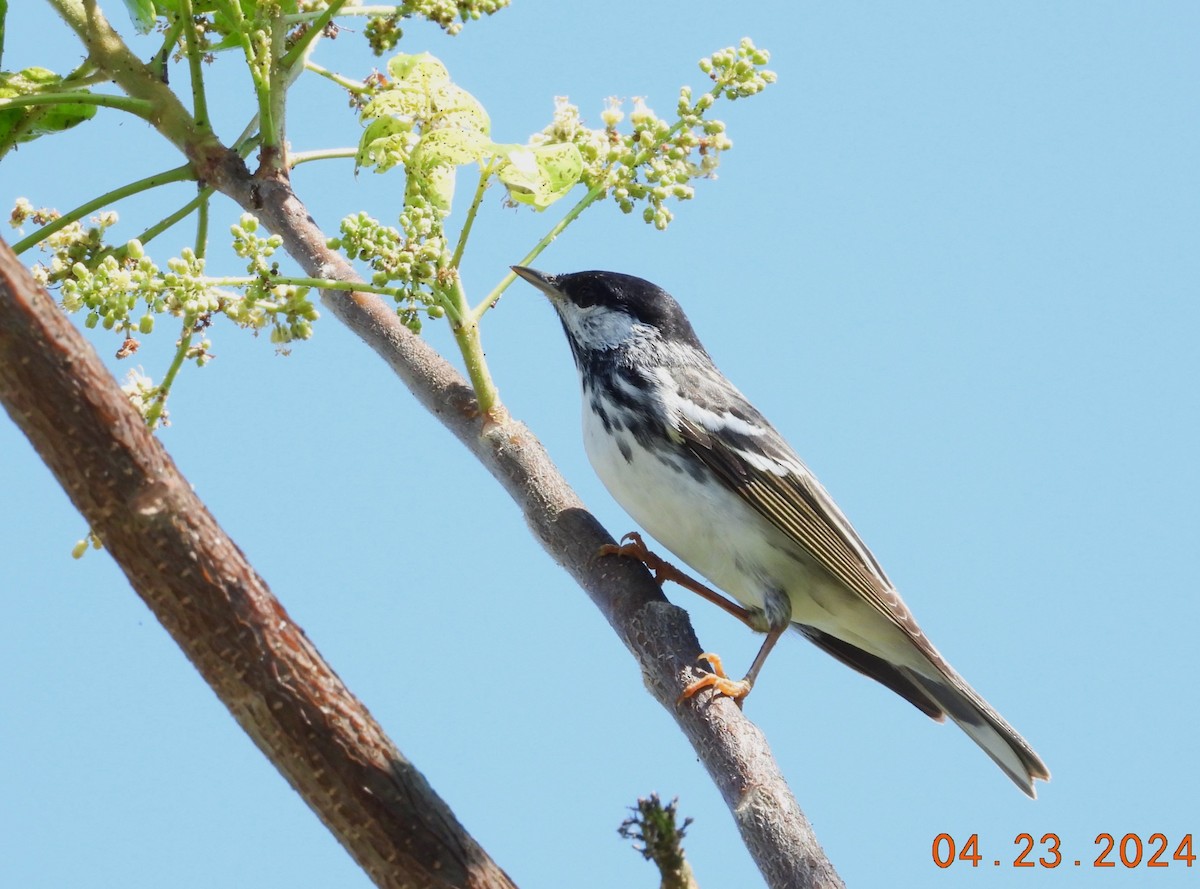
(597, 329)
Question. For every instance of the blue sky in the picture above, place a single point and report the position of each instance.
(952, 255)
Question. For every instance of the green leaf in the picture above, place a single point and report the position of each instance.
(28, 122)
(453, 106)
(541, 175)
(143, 14)
(422, 68)
(427, 123)
(421, 90)
(402, 99)
(385, 143)
(452, 147)
(229, 41)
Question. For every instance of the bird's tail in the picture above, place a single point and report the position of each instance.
(985, 726)
(938, 691)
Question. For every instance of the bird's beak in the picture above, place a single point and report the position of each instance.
(543, 282)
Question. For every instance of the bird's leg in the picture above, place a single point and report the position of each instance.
(720, 682)
(633, 547)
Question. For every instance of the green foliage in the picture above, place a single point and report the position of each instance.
(421, 122)
(416, 122)
(541, 174)
(26, 123)
(425, 123)
(143, 14)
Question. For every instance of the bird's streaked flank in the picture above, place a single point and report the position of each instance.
(700, 469)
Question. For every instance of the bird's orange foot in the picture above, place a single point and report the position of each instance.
(718, 681)
(633, 547)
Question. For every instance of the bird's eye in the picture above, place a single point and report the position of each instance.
(598, 293)
(585, 297)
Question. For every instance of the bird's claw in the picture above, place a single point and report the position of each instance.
(718, 681)
(633, 547)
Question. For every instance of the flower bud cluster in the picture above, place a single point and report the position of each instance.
(23, 211)
(69, 245)
(449, 15)
(658, 159)
(286, 307)
(410, 256)
(142, 393)
(123, 289)
(738, 71)
(114, 290)
(664, 158)
(383, 32)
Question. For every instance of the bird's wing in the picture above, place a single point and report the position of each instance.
(756, 462)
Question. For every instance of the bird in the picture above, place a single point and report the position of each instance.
(705, 474)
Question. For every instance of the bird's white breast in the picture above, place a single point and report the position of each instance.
(706, 526)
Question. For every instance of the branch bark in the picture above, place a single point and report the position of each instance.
(218, 610)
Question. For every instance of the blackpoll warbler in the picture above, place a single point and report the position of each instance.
(693, 462)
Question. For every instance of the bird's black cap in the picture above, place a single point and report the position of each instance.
(637, 297)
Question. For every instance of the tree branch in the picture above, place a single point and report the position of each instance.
(659, 635)
(218, 610)
(778, 835)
